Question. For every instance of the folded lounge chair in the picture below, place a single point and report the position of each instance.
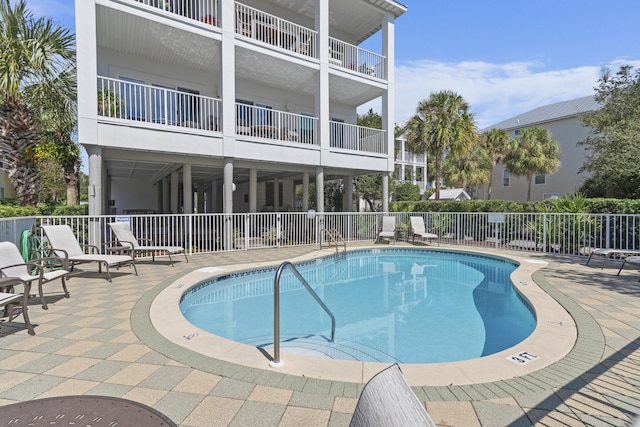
(63, 242)
(8, 299)
(607, 254)
(418, 229)
(125, 237)
(12, 265)
(388, 228)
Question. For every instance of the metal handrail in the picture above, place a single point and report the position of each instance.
(276, 363)
(335, 237)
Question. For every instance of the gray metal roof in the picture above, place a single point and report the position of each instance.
(548, 113)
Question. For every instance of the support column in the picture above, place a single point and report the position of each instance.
(227, 208)
(320, 189)
(305, 191)
(385, 192)
(347, 205)
(187, 189)
(201, 197)
(95, 181)
(276, 194)
(175, 181)
(388, 99)
(322, 86)
(166, 195)
(253, 190)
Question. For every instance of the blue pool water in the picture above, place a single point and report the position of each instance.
(390, 305)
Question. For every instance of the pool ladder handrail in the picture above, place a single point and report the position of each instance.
(334, 237)
(276, 362)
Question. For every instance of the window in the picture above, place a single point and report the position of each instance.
(135, 104)
(337, 132)
(505, 179)
(264, 115)
(540, 178)
(307, 125)
(187, 108)
(516, 132)
(163, 104)
(548, 196)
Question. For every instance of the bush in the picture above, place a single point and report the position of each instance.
(10, 210)
(407, 192)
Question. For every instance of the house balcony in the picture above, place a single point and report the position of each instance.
(357, 138)
(205, 11)
(266, 123)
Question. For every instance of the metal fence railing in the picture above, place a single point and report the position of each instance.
(536, 232)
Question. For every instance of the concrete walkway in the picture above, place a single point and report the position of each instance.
(99, 342)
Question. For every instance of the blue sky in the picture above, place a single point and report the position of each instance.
(503, 57)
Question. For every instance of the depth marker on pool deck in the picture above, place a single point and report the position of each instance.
(522, 358)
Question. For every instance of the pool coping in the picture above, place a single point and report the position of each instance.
(441, 381)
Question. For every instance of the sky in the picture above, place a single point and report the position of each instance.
(503, 57)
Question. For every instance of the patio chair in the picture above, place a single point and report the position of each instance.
(42, 270)
(387, 400)
(634, 260)
(125, 237)
(62, 241)
(607, 254)
(418, 229)
(8, 298)
(388, 228)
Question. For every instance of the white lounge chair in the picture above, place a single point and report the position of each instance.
(388, 228)
(387, 400)
(63, 242)
(418, 229)
(125, 237)
(607, 254)
(13, 265)
(8, 298)
(634, 260)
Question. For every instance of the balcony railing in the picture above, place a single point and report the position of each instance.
(357, 138)
(274, 31)
(352, 57)
(267, 123)
(206, 11)
(123, 99)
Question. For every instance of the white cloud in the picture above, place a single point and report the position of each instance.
(495, 91)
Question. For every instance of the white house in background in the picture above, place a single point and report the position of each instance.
(227, 106)
(452, 194)
(6, 186)
(410, 167)
(563, 121)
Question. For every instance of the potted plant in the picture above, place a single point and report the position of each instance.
(402, 228)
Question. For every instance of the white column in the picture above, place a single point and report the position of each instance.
(320, 189)
(95, 180)
(388, 99)
(305, 191)
(175, 181)
(253, 190)
(227, 83)
(166, 195)
(228, 186)
(385, 192)
(201, 197)
(187, 189)
(322, 86)
(348, 194)
(276, 194)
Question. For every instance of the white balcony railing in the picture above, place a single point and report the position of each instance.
(352, 57)
(267, 123)
(275, 31)
(358, 138)
(123, 99)
(206, 11)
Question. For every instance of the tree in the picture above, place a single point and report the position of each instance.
(36, 57)
(496, 143)
(533, 152)
(471, 168)
(613, 144)
(441, 124)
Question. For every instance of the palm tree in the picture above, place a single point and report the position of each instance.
(35, 57)
(496, 143)
(533, 152)
(441, 124)
(470, 168)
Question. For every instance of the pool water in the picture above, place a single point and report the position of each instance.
(390, 305)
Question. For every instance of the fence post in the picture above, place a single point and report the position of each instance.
(608, 232)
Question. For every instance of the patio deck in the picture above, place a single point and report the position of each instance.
(100, 342)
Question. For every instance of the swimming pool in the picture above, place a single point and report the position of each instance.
(391, 305)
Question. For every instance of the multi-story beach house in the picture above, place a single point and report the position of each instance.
(226, 106)
(410, 167)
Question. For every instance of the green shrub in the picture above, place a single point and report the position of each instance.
(407, 192)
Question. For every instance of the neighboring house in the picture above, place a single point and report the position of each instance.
(563, 121)
(221, 106)
(410, 167)
(452, 194)
(6, 186)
